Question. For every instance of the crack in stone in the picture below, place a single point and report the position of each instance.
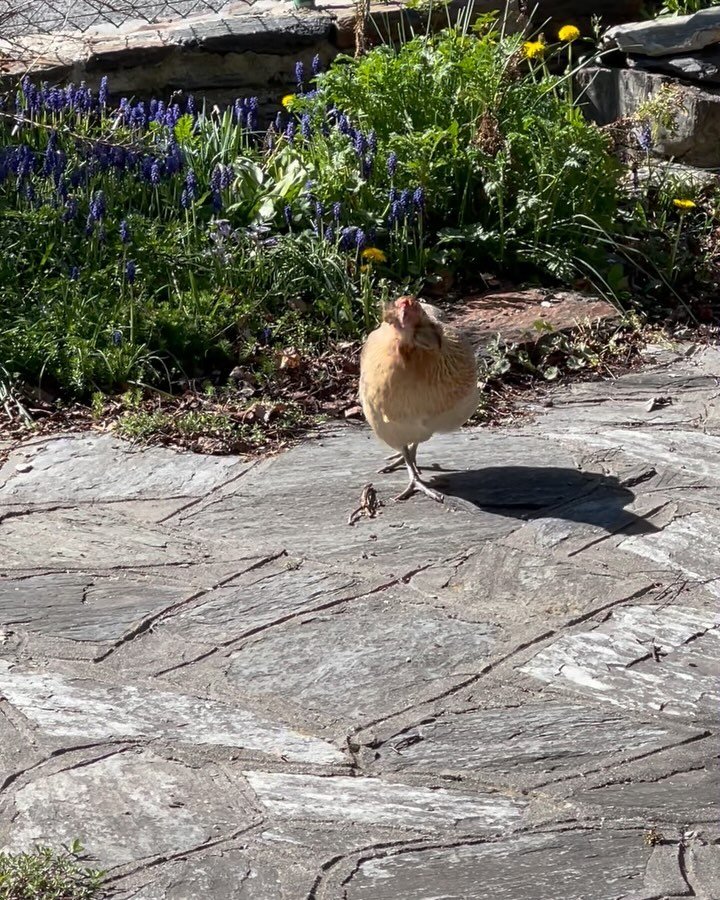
(322, 607)
(491, 666)
(152, 862)
(150, 620)
(218, 487)
(683, 866)
(124, 744)
(574, 776)
(398, 848)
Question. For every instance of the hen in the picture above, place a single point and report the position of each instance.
(418, 376)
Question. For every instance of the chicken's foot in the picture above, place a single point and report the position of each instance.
(416, 482)
(397, 461)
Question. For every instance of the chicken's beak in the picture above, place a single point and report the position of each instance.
(402, 313)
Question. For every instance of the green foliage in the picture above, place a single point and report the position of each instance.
(509, 167)
(150, 245)
(685, 7)
(47, 874)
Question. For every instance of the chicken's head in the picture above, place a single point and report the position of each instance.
(415, 328)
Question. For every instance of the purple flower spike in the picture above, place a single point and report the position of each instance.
(316, 64)
(299, 72)
(155, 173)
(360, 239)
(336, 209)
(360, 143)
(287, 212)
(98, 207)
(74, 273)
(130, 271)
(124, 232)
(103, 94)
(418, 199)
(191, 184)
(290, 131)
(305, 127)
(116, 337)
(184, 199)
(392, 161)
(643, 135)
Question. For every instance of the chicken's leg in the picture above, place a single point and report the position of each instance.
(397, 461)
(416, 482)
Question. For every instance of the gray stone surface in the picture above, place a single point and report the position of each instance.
(668, 34)
(224, 690)
(610, 94)
(703, 66)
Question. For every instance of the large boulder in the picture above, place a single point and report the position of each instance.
(668, 35)
(702, 67)
(610, 94)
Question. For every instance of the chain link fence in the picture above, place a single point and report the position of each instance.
(19, 18)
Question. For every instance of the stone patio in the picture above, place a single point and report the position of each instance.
(224, 690)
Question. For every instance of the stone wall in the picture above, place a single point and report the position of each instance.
(682, 52)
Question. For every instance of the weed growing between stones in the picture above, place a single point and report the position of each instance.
(47, 874)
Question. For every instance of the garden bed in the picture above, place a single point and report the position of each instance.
(152, 247)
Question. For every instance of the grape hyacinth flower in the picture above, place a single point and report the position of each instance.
(336, 210)
(315, 65)
(287, 212)
(643, 135)
(98, 207)
(184, 199)
(360, 239)
(71, 210)
(116, 337)
(305, 127)
(418, 199)
(125, 232)
(103, 93)
(155, 173)
(130, 271)
(191, 184)
(392, 162)
(226, 176)
(299, 73)
(360, 143)
(330, 234)
(74, 273)
(372, 141)
(290, 131)
(190, 105)
(343, 125)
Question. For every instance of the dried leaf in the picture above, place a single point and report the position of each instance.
(290, 358)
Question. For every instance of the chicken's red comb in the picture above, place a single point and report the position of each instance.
(404, 302)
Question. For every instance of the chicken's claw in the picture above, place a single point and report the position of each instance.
(416, 484)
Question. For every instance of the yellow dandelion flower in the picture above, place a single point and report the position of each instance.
(287, 100)
(533, 49)
(684, 205)
(569, 33)
(374, 255)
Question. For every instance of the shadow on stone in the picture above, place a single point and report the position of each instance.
(534, 492)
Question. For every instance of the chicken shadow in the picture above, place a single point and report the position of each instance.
(533, 492)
